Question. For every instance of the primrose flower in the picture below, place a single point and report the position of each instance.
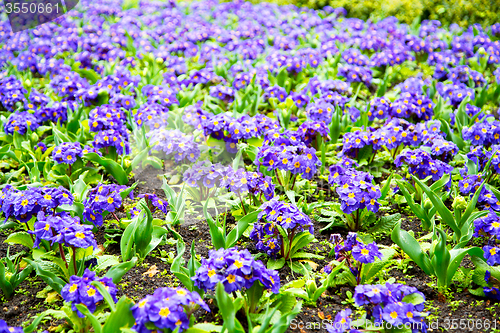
(167, 308)
(64, 229)
(492, 255)
(103, 198)
(67, 152)
(235, 269)
(320, 111)
(341, 323)
(276, 92)
(151, 114)
(157, 203)
(296, 157)
(354, 188)
(421, 163)
(274, 213)
(385, 303)
(19, 122)
(351, 248)
(488, 225)
(4, 328)
(175, 143)
(79, 290)
(366, 254)
(223, 93)
(309, 129)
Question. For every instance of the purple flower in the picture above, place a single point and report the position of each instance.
(366, 253)
(67, 152)
(167, 308)
(19, 122)
(235, 269)
(80, 291)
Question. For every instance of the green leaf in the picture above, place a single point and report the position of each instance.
(241, 226)
(386, 224)
(276, 263)
(412, 248)
(416, 209)
(301, 240)
(456, 257)
(104, 292)
(443, 211)
(286, 302)
(90, 317)
(477, 292)
(306, 255)
(285, 320)
(118, 271)
(32, 327)
(387, 186)
(106, 261)
(22, 238)
(471, 206)
(204, 328)
(127, 243)
(50, 278)
(5, 285)
(369, 271)
(227, 310)
(216, 233)
(414, 299)
(441, 260)
(113, 168)
(120, 318)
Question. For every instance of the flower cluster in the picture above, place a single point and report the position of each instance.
(19, 122)
(167, 309)
(108, 122)
(489, 226)
(67, 152)
(354, 252)
(23, 204)
(152, 115)
(483, 133)
(205, 175)
(63, 229)
(278, 214)
(420, 163)
(298, 159)
(235, 269)
(174, 143)
(101, 199)
(355, 188)
(385, 303)
(12, 92)
(79, 290)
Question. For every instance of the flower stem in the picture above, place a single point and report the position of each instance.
(242, 204)
(74, 259)
(116, 217)
(63, 256)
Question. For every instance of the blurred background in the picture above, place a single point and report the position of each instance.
(461, 12)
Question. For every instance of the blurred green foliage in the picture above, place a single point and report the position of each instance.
(462, 12)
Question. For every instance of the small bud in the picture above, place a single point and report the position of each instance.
(459, 203)
(34, 138)
(127, 163)
(159, 61)
(311, 286)
(427, 204)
